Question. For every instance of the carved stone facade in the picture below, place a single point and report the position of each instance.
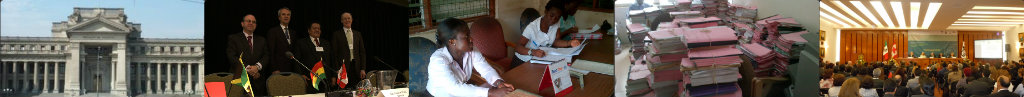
(97, 51)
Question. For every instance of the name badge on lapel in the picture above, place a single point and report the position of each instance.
(319, 49)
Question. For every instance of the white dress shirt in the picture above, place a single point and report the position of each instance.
(351, 45)
(315, 45)
(446, 79)
(287, 35)
(868, 92)
(251, 45)
(538, 38)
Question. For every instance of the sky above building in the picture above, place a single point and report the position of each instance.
(159, 18)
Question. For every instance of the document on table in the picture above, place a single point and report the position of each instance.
(558, 54)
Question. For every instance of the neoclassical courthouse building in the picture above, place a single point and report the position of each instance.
(97, 52)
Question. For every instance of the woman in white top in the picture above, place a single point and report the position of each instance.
(452, 65)
(543, 32)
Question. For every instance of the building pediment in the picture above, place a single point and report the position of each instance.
(100, 25)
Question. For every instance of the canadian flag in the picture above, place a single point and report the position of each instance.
(342, 77)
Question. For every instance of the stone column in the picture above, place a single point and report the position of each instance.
(46, 79)
(3, 71)
(199, 87)
(148, 79)
(72, 85)
(161, 78)
(188, 79)
(120, 86)
(25, 77)
(180, 86)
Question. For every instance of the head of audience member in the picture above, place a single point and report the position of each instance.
(248, 23)
(867, 84)
(837, 80)
(454, 34)
(284, 15)
(877, 73)
(851, 88)
(1003, 82)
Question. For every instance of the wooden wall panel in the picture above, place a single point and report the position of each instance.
(869, 43)
(968, 37)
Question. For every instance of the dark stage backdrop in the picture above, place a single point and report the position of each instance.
(383, 25)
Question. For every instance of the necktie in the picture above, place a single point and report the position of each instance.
(287, 35)
(249, 39)
(317, 41)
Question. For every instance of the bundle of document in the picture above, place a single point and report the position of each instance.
(745, 14)
(685, 14)
(699, 22)
(666, 40)
(710, 36)
(766, 62)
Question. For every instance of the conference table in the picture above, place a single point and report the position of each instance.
(528, 77)
(927, 61)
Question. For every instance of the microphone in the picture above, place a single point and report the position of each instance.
(385, 64)
(292, 56)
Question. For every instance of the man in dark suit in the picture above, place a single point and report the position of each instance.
(980, 86)
(310, 50)
(1004, 82)
(251, 49)
(348, 45)
(279, 40)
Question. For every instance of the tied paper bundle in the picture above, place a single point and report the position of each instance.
(714, 76)
(699, 22)
(746, 32)
(739, 13)
(665, 82)
(663, 71)
(686, 14)
(786, 25)
(765, 60)
(637, 83)
(791, 41)
(666, 40)
(637, 35)
(683, 4)
(714, 90)
(668, 25)
(714, 7)
(710, 56)
(711, 36)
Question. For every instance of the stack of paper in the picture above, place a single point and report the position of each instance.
(667, 25)
(744, 30)
(637, 87)
(766, 61)
(740, 13)
(714, 76)
(714, 7)
(699, 22)
(686, 14)
(711, 36)
(666, 40)
(683, 4)
(712, 90)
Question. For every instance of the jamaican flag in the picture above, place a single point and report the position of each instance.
(244, 80)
